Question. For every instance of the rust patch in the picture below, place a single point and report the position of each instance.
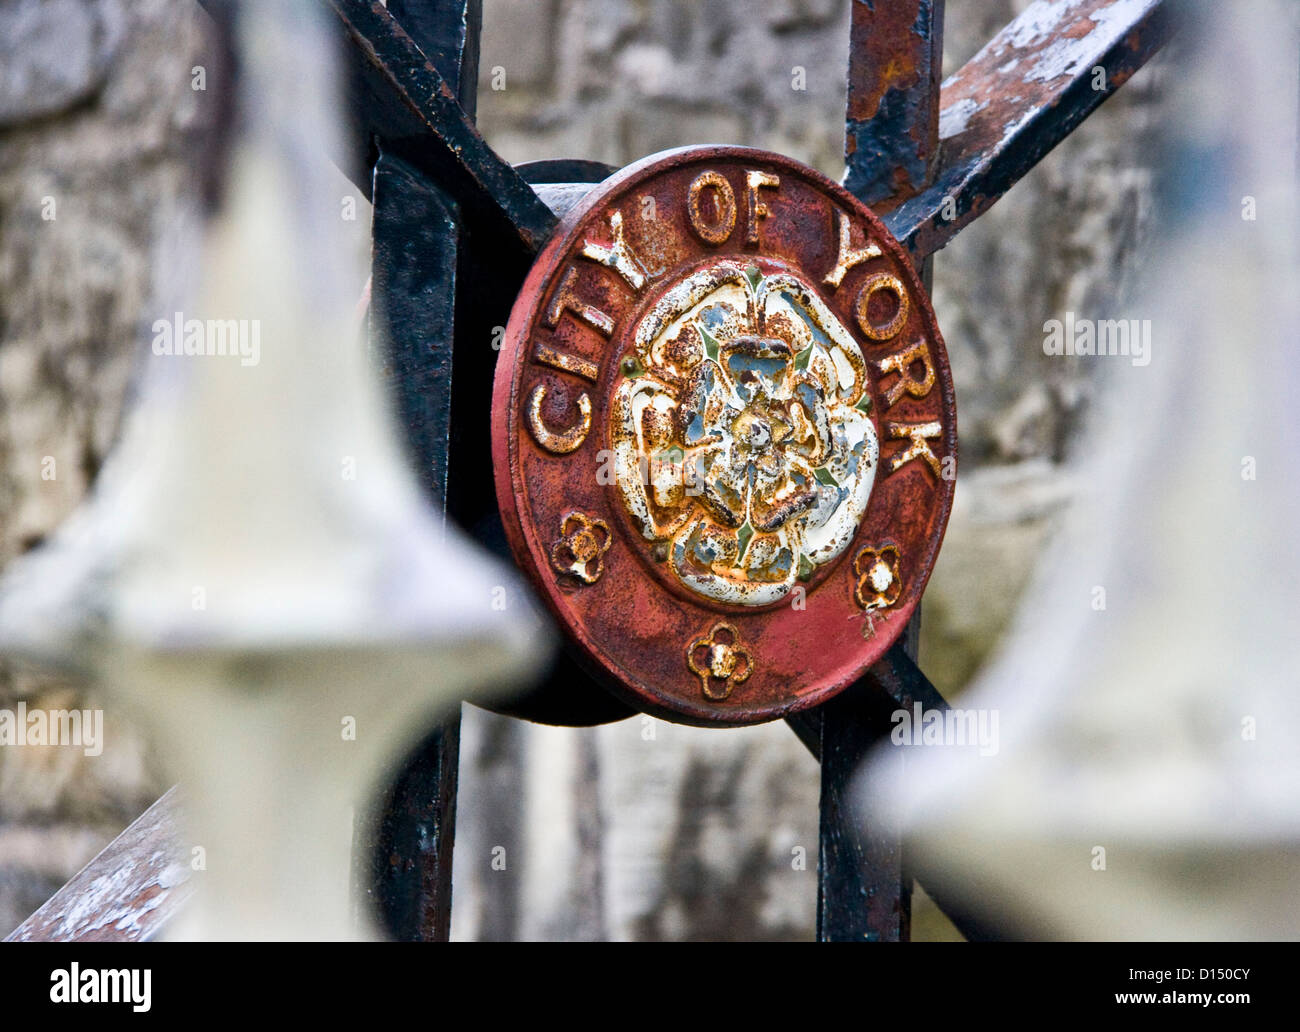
(895, 53)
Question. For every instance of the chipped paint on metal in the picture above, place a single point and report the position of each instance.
(953, 119)
(125, 894)
(895, 53)
(1019, 96)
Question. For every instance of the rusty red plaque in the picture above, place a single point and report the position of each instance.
(724, 434)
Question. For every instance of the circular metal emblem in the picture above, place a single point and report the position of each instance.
(724, 434)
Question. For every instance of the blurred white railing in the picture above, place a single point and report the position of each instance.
(257, 574)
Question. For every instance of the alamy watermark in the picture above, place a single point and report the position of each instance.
(1130, 338)
(239, 338)
(952, 726)
(75, 984)
(82, 728)
(666, 470)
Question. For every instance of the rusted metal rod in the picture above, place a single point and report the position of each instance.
(892, 124)
(1016, 99)
(398, 93)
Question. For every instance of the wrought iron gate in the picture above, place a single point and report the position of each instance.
(455, 229)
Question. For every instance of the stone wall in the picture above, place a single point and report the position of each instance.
(97, 117)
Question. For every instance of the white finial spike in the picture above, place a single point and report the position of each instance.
(1142, 779)
(256, 572)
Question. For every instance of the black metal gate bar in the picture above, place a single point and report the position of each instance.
(864, 894)
(416, 251)
(401, 94)
(896, 683)
(864, 890)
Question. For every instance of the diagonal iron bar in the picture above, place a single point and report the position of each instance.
(448, 32)
(896, 678)
(127, 893)
(1016, 99)
(896, 682)
(399, 95)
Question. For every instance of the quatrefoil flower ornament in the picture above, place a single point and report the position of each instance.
(719, 657)
(878, 580)
(581, 547)
(760, 394)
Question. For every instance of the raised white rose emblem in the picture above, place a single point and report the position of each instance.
(741, 435)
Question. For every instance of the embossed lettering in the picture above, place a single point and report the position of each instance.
(757, 209)
(618, 256)
(568, 363)
(566, 299)
(874, 285)
(713, 231)
(918, 434)
(849, 255)
(902, 365)
(564, 441)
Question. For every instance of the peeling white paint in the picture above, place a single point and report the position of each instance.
(1069, 57)
(954, 118)
(1036, 23)
(1013, 128)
